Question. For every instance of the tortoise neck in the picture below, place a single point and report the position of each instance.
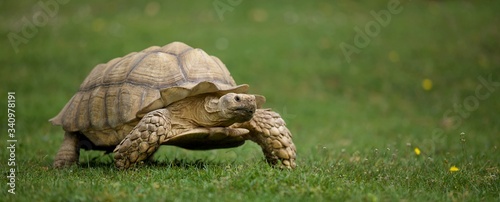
(193, 110)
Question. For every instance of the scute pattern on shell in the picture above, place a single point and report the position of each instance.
(126, 88)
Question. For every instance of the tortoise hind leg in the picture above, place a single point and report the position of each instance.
(143, 140)
(69, 153)
(268, 130)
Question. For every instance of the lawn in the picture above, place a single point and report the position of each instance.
(387, 101)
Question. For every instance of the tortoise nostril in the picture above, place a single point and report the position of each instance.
(237, 98)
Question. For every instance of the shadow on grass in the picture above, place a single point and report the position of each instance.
(107, 161)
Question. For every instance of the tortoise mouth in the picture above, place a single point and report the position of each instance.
(242, 114)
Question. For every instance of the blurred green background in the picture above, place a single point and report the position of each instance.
(415, 83)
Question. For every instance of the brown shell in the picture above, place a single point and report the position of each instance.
(126, 88)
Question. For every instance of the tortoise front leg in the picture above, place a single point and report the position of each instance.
(143, 140)
(268, 129)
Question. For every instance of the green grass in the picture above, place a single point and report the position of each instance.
(355, 124)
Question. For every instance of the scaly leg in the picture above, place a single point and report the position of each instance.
(69, 153)
(268, 129)
(143, 140)
(155, 129)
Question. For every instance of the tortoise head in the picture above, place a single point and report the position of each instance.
(238, 107)
(232, 107)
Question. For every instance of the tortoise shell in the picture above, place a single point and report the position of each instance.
(123, 90)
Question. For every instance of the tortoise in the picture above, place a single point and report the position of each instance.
(171, 95)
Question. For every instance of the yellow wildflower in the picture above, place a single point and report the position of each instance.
(454, 169)
(427, 84)
(417, 151)
(393, 56)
